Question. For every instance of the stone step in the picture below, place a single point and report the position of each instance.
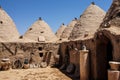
(113, 75)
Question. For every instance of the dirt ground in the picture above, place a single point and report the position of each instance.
(33, 74)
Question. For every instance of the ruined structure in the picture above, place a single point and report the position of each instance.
(89, 49)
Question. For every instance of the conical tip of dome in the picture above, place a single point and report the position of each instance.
(40, 18)
(75, 18)
(0, 7)
(93, 3)
(80, 16)
(63, 24)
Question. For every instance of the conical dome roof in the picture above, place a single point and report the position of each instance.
(66, 33)
(8, 31)
(60, 30)
(40, 29)
(88, 23)
(112, 18)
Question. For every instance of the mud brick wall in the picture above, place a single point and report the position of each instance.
(72, 50)
(34, 52)
(104, 47)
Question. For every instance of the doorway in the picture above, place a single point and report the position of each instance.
(104, 54)
(41, 54)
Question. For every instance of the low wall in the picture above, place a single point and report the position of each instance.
(34, 52)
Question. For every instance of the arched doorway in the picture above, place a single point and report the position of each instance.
(104, 54)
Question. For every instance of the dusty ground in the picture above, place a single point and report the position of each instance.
(33, 74)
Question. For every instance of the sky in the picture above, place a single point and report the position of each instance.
(55, 12)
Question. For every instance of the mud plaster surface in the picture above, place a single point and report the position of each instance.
(33, 74)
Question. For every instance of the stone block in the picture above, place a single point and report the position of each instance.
(113, 75)
(84, 65)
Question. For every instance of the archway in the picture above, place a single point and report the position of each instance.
(104, 54)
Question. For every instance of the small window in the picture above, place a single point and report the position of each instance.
(30, 29)
(20, 37)
(93, 40)
(50, 52)
(42, 32)
(86, 35)
(1, 22)
(41, 54)
(32, 53)
(26, 61)
(118, 15)
(60, 39)
(40, 48)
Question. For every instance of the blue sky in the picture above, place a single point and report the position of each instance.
(54, 12)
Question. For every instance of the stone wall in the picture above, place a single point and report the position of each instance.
(107, 49)
(72, 50)
(34, 52)
(104, 47)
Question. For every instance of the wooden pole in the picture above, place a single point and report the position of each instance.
(84, 65)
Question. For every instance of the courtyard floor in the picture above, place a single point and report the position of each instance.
(33, 74)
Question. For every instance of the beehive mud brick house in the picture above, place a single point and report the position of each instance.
(88, 48)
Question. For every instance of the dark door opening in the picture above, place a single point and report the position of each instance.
(49, 58)
(40, 48)
(104, 55)
(41, 54)
(109, 53)
(67, 56)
